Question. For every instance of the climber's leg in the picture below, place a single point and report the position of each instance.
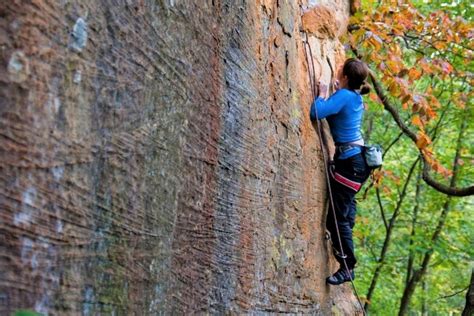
(352, 212)
(344, 205)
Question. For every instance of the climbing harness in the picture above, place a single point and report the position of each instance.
(312, 79)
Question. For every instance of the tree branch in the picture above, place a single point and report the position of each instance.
(391, 144)
(453, 294)
(382, 212)
(448, 190)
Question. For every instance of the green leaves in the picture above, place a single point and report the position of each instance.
(422, 55)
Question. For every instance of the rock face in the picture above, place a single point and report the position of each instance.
(158, 157)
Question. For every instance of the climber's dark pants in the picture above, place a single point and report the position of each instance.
(344, 178)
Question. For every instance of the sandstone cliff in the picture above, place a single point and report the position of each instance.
(158, 157)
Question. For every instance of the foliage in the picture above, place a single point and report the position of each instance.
(425, 62)
(422, 55)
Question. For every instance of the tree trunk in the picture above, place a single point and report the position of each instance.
(424, 307)
(469, 308)
(411, 255)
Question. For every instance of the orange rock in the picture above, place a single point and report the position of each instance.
(157, 157)
(320, 21)
(277, 41)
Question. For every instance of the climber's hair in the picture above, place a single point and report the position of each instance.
(356, 72)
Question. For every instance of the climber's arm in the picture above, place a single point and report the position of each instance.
(327, 107)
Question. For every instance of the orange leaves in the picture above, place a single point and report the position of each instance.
(439, 168)
(402, 73)
(421, 106)
(417, 121)
(371, 39)
(390, 175)
(398, 87)
(424, 113)
(405, 21)
(393, 66)
(463, 29)
(357, 36)
(430, 113)
(414, 74)
(451, 37)
(398, 19)
(434, 103)
(422, 140)
(393, 88)
(443, 66)
(424, 105)
(386, 190)
(460, 99)
(375, 41)
(419, 26)
(435, 164)
(440, 45)
(405, 100)
(398, 30)
(374, 97)
(425, 66)
(377, 177)
(428, 155)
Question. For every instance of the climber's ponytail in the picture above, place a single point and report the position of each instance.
(364, 88)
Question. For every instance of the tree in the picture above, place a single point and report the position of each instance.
(414, 278)
(421, 62)
(415, 57)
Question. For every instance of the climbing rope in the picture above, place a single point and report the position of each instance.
(312, 80)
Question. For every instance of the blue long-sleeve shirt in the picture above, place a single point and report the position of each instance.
(343, 111)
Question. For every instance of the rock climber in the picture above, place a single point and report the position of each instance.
(344, 110)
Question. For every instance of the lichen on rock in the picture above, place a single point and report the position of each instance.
(18, 67)
(79, 35)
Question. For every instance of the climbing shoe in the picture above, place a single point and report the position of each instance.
(340, 277)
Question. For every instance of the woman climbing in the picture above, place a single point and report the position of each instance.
(343, 111)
